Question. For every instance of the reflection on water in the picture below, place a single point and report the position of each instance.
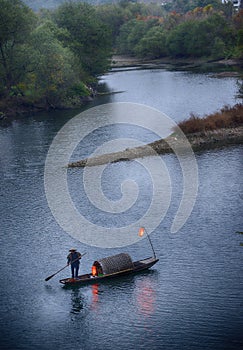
(77, 301)
(141, 287)
(95, 295)
(177, 94)
(191, 299)
(146, 296)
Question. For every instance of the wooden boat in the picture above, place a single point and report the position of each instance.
(110, 267)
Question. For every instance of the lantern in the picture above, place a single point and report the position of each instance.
(94, 270)
(141, 231)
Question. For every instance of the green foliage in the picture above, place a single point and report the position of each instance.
(205, 37)
(122, 39)
(48, 59)
(114, 16)
(238, 26)
(89, 37)
(55, 56)
(131, 32)
(202, 32)
(39, 4)
(16, 23)
(153, 44)
(238, 49)
(178, 40)
(79, 89)
(53, 67)
(183, 6)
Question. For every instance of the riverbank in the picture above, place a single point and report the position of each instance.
(16, 106)
(119, 61)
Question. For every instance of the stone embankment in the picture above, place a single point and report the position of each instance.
(198, 141)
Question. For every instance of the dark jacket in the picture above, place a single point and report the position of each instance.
(74, 256)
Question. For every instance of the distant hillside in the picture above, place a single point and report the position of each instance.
(37, 4)
(51, 4)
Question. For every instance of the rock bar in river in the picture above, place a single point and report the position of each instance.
(199, 141)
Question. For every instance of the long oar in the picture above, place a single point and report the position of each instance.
(49, 277)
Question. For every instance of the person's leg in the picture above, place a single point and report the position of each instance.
(76, 272)
(72, 269)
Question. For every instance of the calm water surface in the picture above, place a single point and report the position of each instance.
(178, 94)
(191, 299)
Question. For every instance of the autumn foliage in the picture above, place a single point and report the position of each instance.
(227, 117)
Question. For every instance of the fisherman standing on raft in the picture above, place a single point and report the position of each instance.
(73, 258)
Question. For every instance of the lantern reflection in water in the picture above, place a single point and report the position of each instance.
(95, 295)
(146, 297)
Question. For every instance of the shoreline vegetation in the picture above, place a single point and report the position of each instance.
(216, 130)
(52, 59)
(49, 61)
(15, 106)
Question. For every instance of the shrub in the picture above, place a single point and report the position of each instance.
(228, 117)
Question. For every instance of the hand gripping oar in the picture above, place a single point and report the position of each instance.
(49, 277)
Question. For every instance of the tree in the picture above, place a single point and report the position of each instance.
(153, 43)
(16, 23)
(114, 16)
(183, 6)
(53, 68)
(177, 40)
(89, 38)
(209, 36)
(216, 4)
(238, 27)
(131, 33)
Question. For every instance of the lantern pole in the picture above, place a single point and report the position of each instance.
(149, 241)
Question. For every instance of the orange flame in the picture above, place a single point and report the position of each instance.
(94, 271)
(141, 231)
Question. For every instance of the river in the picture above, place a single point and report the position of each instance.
(191, 299)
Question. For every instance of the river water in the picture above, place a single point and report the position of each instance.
(191, 299)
